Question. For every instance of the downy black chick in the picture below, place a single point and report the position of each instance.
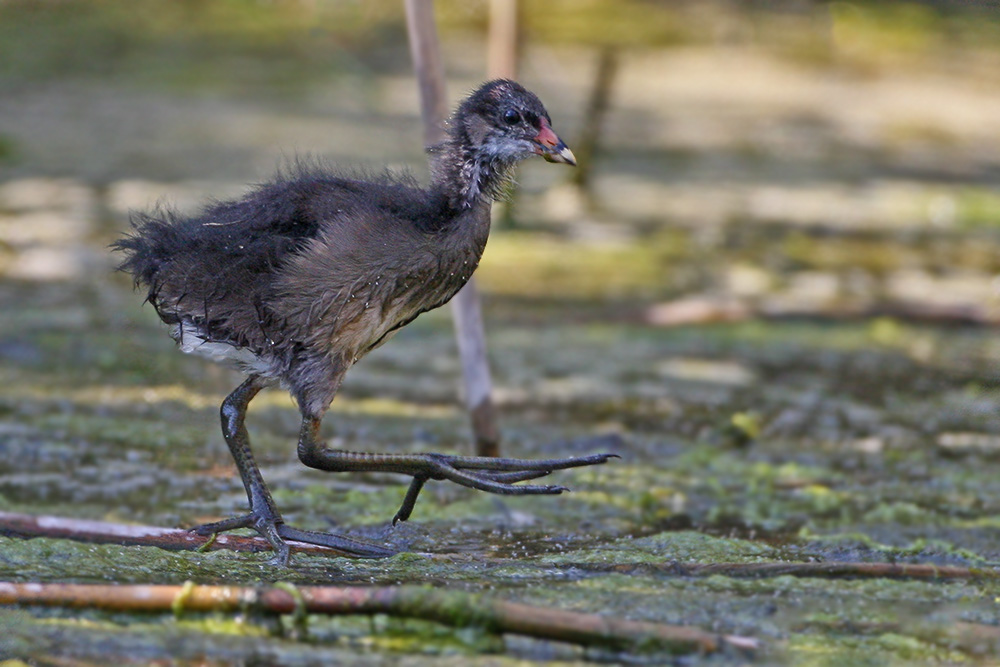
(303, 276)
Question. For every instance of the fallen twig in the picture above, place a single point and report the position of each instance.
(452, 608)
(104, 532)
(974, 638)
(829, 569)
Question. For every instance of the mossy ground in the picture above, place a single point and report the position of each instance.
(765, 440)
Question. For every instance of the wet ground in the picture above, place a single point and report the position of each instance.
(820, 191)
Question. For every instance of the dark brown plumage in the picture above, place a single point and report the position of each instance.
(305, 275)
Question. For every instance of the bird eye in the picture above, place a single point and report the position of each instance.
(511, 117)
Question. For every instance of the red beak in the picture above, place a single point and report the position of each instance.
(551, 147)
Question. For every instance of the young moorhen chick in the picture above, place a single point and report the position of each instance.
(305, 275)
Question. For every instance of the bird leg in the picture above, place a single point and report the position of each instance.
(495, 475)
(264, 516)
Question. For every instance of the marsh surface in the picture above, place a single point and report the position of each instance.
(831, 189)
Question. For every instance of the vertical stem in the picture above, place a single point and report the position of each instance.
(476, 369)
(426, 53)
(597, 106)
(427, 62)
(501, 63)
(501, 60)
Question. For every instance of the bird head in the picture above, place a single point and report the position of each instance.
(505, 122)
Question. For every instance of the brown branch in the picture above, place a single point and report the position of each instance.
(104, 532)
(173, 539)
(502, 40)
(836, 569)
(428, 65)
(974, 638)
(452, 608)
(587, 144)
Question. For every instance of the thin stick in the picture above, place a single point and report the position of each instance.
(429, 68)
(469, 331)
(593, 119)
(452, 608)
(501, 63)
(103, 532)
(502, 40)
(832, 570)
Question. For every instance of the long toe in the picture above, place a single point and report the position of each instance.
(514, 465)
(512, 477)
(485, 482)
(265, 524)
(348, 545)
(232, 523)
(493, 475)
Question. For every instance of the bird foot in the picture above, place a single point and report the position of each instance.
(276, 532)
(494, 475)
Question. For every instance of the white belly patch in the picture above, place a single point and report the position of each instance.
(192, 340)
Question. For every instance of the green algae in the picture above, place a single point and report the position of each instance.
(748, 506)
(828, 449)
(684, 546)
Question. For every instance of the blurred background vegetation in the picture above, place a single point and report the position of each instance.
(735, 135)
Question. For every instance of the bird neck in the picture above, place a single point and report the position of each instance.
(467, 175)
